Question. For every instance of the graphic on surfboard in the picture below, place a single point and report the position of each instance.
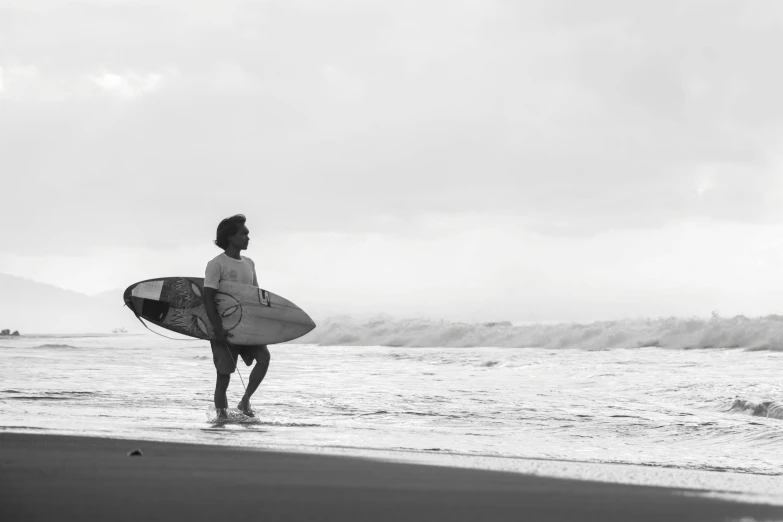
(252, 315)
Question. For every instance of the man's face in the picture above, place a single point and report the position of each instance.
(241, 239)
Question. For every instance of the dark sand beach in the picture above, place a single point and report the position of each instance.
(45, 477)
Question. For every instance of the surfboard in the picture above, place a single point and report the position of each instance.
(251, 314)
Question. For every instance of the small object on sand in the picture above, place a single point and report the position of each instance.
(135, 453)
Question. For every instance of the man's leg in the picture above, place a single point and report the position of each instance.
(221, 385)
(225, 363)
(256, 376)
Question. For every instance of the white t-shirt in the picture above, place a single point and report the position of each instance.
(224, 268)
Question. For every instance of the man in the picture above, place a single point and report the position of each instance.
(233, 237)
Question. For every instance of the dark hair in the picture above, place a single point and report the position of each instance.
(227, 228)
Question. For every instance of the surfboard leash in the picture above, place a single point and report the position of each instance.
(153, 331)
(237, 366)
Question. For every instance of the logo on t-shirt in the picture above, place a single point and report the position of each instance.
(233, 275)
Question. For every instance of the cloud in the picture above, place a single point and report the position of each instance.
(232, 78)
(128, 84)
(25, 82)
(314, 117)
(16, 79)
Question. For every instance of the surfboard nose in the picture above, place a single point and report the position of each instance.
(309, 324)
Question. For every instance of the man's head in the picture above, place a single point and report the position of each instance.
(232, 231)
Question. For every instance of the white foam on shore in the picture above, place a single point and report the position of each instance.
(736, 487)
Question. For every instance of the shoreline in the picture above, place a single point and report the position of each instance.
(46, 476)
(738, 486)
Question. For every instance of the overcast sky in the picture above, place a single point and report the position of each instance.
(476, 160)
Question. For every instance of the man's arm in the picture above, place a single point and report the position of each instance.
(212, 314)
(211, 282)
(255, 278)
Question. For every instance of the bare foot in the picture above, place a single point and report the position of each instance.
(222, 414)
(244, 407)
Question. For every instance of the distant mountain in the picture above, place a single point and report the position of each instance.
(33, 307)
(110, 297)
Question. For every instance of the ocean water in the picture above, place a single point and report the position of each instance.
(710, 418)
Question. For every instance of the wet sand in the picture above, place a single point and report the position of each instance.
(47, 477)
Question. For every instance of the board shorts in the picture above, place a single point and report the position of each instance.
(226, 364)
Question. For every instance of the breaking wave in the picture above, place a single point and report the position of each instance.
(761, 333)
(771, 409)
